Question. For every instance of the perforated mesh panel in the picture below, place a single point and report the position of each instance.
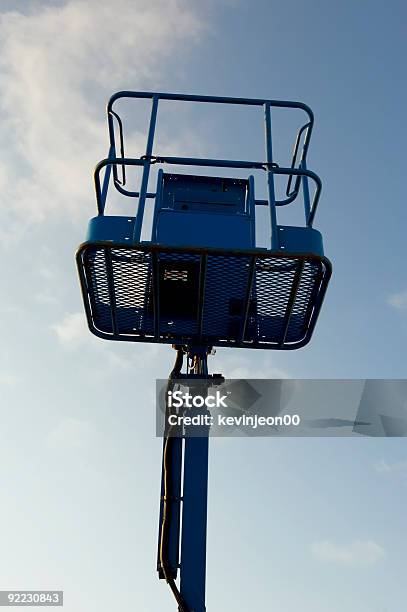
(248, 299)
(225, 290)
(132, 285)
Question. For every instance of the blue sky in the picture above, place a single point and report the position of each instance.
(316, 523)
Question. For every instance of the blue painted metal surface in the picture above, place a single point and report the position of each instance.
(194, 520)
(200, 211)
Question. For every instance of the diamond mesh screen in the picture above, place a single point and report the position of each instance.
(248, 299)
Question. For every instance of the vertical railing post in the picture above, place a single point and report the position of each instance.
(105, 186)
(305, 190)
(146, 172)
(112, 152)
(270, 178)
(251, 209)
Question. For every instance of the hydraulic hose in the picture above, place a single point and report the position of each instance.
(167, 477)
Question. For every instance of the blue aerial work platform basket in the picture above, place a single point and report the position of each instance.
(197, 282)
(200, 279)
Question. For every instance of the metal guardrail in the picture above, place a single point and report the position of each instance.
(297, 169)
(100, 188)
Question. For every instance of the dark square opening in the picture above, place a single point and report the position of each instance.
(178, 289)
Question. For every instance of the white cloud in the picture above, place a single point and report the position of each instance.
(399, 300)
(9, 380)
(72, 434)
(72, 331)
(246, 370)
(44, 297)
(58, 66)
(384, 467)
(73, 334)
(238, 366)
(357, 553)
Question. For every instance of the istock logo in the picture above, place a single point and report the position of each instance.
(176, 399)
